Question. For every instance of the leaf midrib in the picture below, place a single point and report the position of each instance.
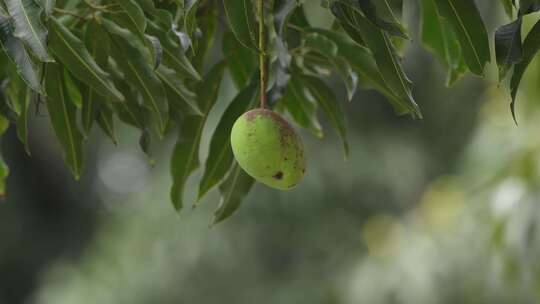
(82, 61)
(149, 94)
(23, 9)
(466, 33)
(71, 138)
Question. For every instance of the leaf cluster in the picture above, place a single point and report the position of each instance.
(144, 63)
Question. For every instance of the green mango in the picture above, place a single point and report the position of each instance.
(268, 149)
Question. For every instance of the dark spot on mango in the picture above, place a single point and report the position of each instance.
(278, 175)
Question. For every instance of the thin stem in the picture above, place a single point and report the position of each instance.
(69, 13)
(296, 28)
(263, 68)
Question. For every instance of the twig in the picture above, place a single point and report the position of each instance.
(263, 68)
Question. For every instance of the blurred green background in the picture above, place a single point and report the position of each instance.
(443, 210)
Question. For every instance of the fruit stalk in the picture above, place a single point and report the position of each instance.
(263, 68)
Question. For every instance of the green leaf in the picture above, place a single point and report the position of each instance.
(370, 11)
(75, 56)
(241, 61)
(508, 7)
(132, 60)
(135, 14)
(190, 17)
(173, 54)
(282, 14)
(16, 52)
(242, 23)
(48, 7)
(301, 108)
(98, 45)
(130, 112)
(105, 120)
(233, 191)
(208, 19)
(384, 53)
(26, 16)
(156, 49)
(161, 15)
(528, 6)
(363, 63)
(4, 172)
(465, 19)
(508, 46)
(74, 95)
(62, 113)
(439, 38)
(170, 78)
(329, 49)
(220, 157)
(22, 120)
(327, 100)
(531, 46)
(185, 158)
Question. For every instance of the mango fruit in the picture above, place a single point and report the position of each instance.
(267, 147)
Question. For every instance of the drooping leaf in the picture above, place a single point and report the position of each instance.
(508, 7)
(132, 59)
(130, 112)
(48, 7)
(22, 120)
(185, 158)
(241, 61)
(7, 109)
(363, 63)
(26, 16)
(74, 95)
(98, 45)
(190, 16)
(161, 15)
(508, 46)
(384, 53)
(4, 170)
(528, 6)
(282, 13)
(327, 100)
(173, 54)
(301, 107)
(242, 23)
(62, 114)
(531, 46)
(439, 38)
(233, 191)
(135, 14)
(329, 49)
(208, 22)
(170, 78)
(105, 120)
(220, 157)
(465, 19)
(156, 49)
(370, 11)
(75, 56)
(15, 50)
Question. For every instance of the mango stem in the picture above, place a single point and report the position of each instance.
(263, 68)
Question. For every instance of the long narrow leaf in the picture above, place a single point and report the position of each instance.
(75, 56)
(185, 158)
(62, 113)
(26, 16)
